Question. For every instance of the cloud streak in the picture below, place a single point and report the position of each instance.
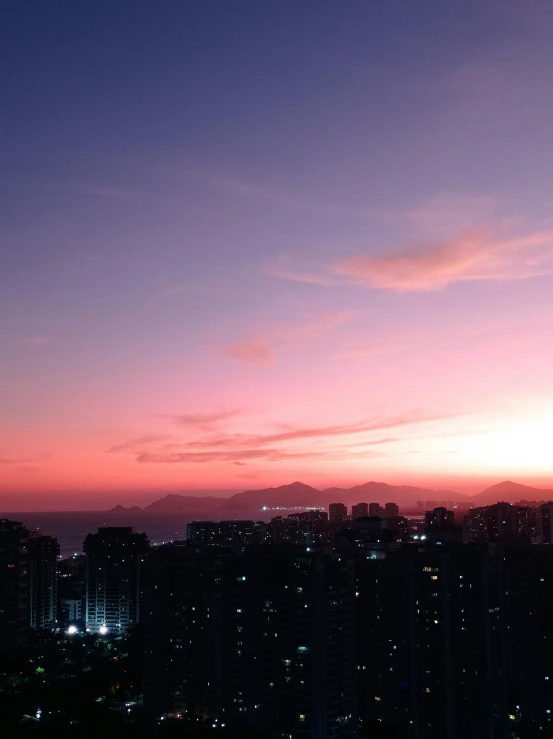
(261, 347)
(252, 350)
(204, 421)
(274, 447)
(473, 255)
(271, 455)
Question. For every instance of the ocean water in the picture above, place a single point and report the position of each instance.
(71, 528)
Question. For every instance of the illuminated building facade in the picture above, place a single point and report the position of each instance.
(114, 564)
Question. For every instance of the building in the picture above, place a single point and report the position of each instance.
(71, 591)
(503, 521)
(204, 532)
(43, 560)
(375, 509)
(114, 564)
(528, 587)
(233, 533)
(391, 509)
(337, 513)
(71, 612)
(431, 638)
(546, 523)
(289, 657)
(260, 640)
(361, 510)
(14, 585)
(183, 631)
(438, 518)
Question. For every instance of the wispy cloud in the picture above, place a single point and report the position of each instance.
(271, 455)
(474, 255)
(204, 421)
(252, 350)
(274, 197)
(132, 444)
(169, 291)
(376, 423)
(9, 460)
(261, 347)
(281, 445)
(37, 340)
(286, 269)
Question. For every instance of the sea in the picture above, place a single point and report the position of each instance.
(71, 528)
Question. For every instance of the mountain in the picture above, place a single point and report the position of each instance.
(403, 495)
(122, 509)
(180, 503)
(510, 492)
(295, 494)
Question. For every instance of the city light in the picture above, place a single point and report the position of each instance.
(103, 630)
(72, 629)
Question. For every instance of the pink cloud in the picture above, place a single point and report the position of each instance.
(37, 340)
(473, 255)
(262, 347)
(254, 350)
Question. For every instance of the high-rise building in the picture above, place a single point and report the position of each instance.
(431, 642)
(528, 587)
(14, 585)
(43, 558)
(503, 521)
(361, 510)
(439, 518)
(391, 509)
(204, 532)
(375, 509)
(546, 523)
(337, 513)
(114, 564)
(232, 533)
(260, 640)
(183, 631)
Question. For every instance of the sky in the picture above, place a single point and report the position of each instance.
(245, 243)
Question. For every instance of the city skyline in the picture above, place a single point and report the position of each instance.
(289, 243)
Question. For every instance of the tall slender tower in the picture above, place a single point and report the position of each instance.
(14, 585)
(114, 563)
(43, 563)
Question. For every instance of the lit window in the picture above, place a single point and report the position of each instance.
(302, 716)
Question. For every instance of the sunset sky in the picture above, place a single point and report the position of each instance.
(245, 243)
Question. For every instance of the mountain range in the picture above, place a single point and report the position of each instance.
(297, 494)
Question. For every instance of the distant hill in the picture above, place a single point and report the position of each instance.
(122, 509)
(298, 494)
(295, 494)
(510, 492)
(177, 503)
(403, 495)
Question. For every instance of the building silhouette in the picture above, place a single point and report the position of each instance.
(114, 565)
(43, 559)
(337, 513)
(431, 630)
(360, 510)
(14, 585)
(260, 640)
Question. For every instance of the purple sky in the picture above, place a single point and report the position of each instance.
(250, 242)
